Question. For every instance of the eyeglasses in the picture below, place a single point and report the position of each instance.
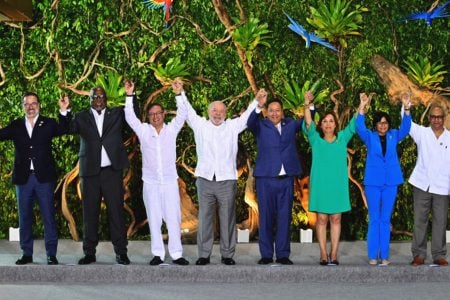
(95, 97)
(32, 104)
(436, 117)
(156, 114)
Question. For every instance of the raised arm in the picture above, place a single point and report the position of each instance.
(130, 115)
(361, 128)
(309, 97)
(252, 122)
(406, 103)
(64, 116)
(178, 121)
(405, 125)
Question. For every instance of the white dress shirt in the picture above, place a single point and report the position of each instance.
(99, 118)
(216, 146)
(432, 170)
(30, 133)
(158, 150)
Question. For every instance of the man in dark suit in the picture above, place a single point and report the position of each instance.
(34, 172)
(102, 160)
(277, 163)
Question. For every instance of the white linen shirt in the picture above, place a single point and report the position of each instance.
(158, 150)
(432, 170)
(216, 146)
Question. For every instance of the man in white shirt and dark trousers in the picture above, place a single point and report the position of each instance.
(217, 145)
(431, 184)
(159, 174)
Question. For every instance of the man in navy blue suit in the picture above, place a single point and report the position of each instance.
(277, 164)
(34, 172)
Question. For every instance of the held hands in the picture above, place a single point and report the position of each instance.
(177, 86)
(129, 87)
(64, 103)
(309, 97)
(406, 100)
(261, 97)
(363, 102)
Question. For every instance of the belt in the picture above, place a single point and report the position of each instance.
(282, 176)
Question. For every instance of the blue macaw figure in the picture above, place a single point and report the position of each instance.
(307, 36)
(433, 13)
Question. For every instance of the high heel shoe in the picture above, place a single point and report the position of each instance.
(323, 262)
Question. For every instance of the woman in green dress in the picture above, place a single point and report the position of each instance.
(329, 186)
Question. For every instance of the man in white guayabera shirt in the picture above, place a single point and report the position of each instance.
(159, 174)
(217, 145)
(431, 185)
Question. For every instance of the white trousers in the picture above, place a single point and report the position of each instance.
(162, 203)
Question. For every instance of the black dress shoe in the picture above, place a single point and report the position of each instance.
(51, 260)
(228, 261)
(265, 261)
(155, 261)
(202, 261)
(87, 259)
(25, 259)
(180, 261)
(122, 259)
(284, 261)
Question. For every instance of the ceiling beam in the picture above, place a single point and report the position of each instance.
(15, 10)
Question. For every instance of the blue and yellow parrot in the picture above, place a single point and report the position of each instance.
(433, 13)
(307, 36)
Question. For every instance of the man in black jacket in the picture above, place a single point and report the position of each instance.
(102, 160)
(34, 172)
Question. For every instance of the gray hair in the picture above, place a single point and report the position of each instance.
(439, 105)
(91, 92)
(211, 105)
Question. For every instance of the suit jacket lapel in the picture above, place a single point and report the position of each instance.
(106, 121)
(39, 123)
(269, 124)
(91, 119)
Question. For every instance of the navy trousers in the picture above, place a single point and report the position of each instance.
(275, 208)
(26, 194)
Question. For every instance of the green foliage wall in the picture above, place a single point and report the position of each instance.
(127, 34)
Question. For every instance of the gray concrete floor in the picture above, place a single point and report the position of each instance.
(399, 280)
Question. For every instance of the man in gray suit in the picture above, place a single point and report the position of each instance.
(217, 143)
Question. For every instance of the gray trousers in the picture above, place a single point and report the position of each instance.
(424, 203)
(223, 194)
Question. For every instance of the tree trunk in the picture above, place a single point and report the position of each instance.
(225, 19)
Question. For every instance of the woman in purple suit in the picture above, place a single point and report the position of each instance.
(382, 176)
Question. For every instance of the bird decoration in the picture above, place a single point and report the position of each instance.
(307, 36)
(433, 13)
(156, 4)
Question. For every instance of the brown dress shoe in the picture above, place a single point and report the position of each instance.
(441, 261)
(417, 261)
